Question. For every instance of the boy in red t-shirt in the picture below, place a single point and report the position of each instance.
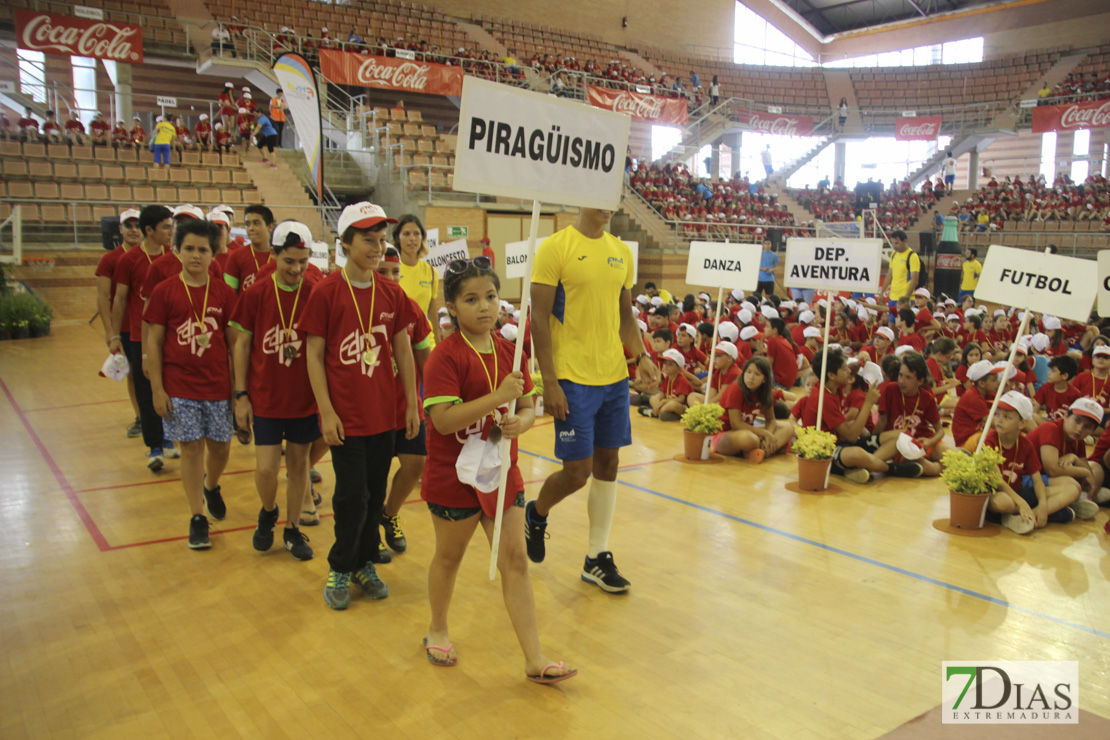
(906, 334)
(221, 139)
(120, 135)
(190, 373)
(669, 403)
(1027, 499)
(972, 409)
(1064, 454)
(358, 330)
(28, 126)
(243, 266)
(138, 134)
(244, 122)
(99, 130)
(1055, 397)
(725, 372)
(272, 394)
(1096, 381)
(51, 131)
(203, 133)
(75, 130)
(908, 407)
(106, 294)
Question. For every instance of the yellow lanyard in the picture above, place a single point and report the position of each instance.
(483, 362)
(368, 356)
(915, 405)
(287, 330)
(258, 267)
(189, 297)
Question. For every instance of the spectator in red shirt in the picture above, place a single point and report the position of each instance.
(99, 130)
(75, 130)
(244, 122)
(1064, 455)
(184, 138)
(750, 395)
(138, 134)
(908, 407)
(974, 405)
(120, 135)
(221, 139)
(28, 127)
(51, 131)
(203, 133)
(1055, 397)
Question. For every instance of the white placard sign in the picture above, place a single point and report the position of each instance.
(635, 247)
(446, 253)
(432, 238)
(834, 264)
(7, 86)
(92, 14)
(340, 257)
(521, 144)
(319, 256)
(1047, 283)
(1104, 283)
(165, 102)
(516, 259)
(716, 265)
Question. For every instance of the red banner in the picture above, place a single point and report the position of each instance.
(388, 73)
(925, 128)
(638, 105)
(1095, 114)
(781, 124)
(61, 34)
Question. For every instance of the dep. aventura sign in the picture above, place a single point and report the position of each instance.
(834, 264)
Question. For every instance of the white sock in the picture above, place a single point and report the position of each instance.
(600, 505)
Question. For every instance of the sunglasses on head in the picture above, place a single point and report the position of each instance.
(454, 267)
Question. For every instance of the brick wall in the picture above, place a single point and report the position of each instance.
(69, 287)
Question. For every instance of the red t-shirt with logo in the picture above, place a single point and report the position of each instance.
(970, 413)
(188, 369)
(106, 267)
(832, 414)
(918, 416)
(693, 356)
(167, 266)
(676, 386)
(733, 398)
(278, 385)
(244, 266)
(1097, 388)
(131, 271)
(363, 395)
(455, 373)
(1054, 404)
(99, 127)
(1021, 459)
(784, 360)
(937, 375)
(1051, 433)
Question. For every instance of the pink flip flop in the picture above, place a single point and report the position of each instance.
(545, 679)
(447, 662)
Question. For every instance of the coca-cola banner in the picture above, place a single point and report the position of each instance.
(386, 73)
(1095, 114)
(781, 124)
(645, 107)
(923, 128)
(83, 37)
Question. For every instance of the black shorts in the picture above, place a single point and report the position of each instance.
(868, 443)
(302, 431)
(414, 446)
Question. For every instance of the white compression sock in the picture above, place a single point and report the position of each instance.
(600, 505)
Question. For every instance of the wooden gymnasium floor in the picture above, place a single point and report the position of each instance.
(754, 613)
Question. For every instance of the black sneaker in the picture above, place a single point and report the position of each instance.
(135, 430)
(602, 572)
(394, 535)
(264, 533)
(198, 533)
(296, 543)
(905, 470)
(214, 502)
(535, 532)
(385, 557)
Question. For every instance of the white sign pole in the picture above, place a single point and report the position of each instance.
(713, 344)
(506, 444)
(824, 358)
(1005, 374)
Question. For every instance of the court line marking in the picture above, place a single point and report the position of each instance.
(159, 481)
(855, 556)
(75, 405)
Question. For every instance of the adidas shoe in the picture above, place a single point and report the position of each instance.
(602, 572)
(367, 579)
(394, 535)
(535, 532)
(337, 590)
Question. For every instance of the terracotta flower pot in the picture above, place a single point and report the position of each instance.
(968, 511)
(813, 475)
(697, 445)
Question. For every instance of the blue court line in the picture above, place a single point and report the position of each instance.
(861, 558)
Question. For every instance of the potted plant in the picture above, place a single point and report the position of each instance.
(40, 320)
(971, 479)
(701, 422)
(814, 450)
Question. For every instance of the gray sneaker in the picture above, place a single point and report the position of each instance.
(367, 578)
(135, 430)
(1085, 509)
(337, 591)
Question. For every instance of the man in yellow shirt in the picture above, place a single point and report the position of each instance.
(972, 269)
(581, 315)
(905, 268)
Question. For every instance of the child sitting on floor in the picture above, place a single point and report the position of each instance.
(974, 405)
(669, 403)
(1064, 454)
(751, 395)
(1056, 396)
(725, 373)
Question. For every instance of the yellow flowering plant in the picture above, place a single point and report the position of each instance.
(976, 474)
(812, 444)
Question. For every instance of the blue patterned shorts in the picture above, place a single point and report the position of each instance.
(192, 420)
(457, 514)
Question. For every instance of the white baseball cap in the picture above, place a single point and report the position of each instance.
(656, 301)
(689, 329)
(953, 317)
(748, 333)
(505, 305)
(1088, 407)
(643, 299)
(909, 448)
(242, 110)
(509, 332)
(923, 292)
(999, 312)
(127, 214)
(803, 306)
(903, 349)
(885, 331)
(204, 116)
(1102, 349)
(748, 305)
(805, 317)
(737, 294)
(729, 349)
(189, 211)
(811, 331)
(1051, 323)
(705, 297)
(769, 312)
(641, 324)
(363, 215)
(291, 234)
(675, 356)
(744, 316)
(218, 217)
(1018, 402)
(981, 369)
(729, 331)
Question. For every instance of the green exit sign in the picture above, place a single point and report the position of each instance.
(458, 232)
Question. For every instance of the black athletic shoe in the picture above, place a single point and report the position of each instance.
(264, 533)
(602, 572)
(214, 502)
(296, 543)
(394, 535)
(535, 532)
(198, 533)
(906, 470)
(384, 555)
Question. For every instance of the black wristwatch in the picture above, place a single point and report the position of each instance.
(240, 394)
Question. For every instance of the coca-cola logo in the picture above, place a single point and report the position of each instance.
(639, 106)
(1077, 116)
(410, 75)
(100, 39)
(778, 125)
(919, 129)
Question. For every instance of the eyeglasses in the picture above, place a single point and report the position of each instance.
(481, 262)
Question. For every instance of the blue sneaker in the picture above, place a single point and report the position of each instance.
(171, 452)
(154, 460)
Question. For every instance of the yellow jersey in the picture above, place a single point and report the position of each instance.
(164, 133)
(588, 275)
(420, 283)
(901, 265)
(972, 270)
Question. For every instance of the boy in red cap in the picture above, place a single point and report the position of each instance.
(973, 407)
(1064, 455)
(670, 402)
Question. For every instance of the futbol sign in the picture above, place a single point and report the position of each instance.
(68, 36)
(780, 124)
(926, 128)
(1094, 114)
(386, 73)
(638, 105)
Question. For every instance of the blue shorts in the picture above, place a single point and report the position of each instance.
(949, 179)
(302, 431)
(192, 420)
(597, 416)
(964, 294)
(415, 446)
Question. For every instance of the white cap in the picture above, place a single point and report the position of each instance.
(748, 333)
(811, 331)
(871, 301)
(506, 306)
(636, 312)
(188, 210)
(769, 312)
(228, 84)
(204, 116)
(1087, 407)
(362, 215)
(923, 292)
(705, 297)
(218, 126)
(953, 317)
(675, 356)
(693, 332)
(642, 325)
(218, 217)
(1018, 402)
(1051, 323)
(247, 96)
(226, 209)
(127, 214)
(885, 331)
(744, 316)
(729, 349)
(805, 317)
(999, 312)
(656, 301)
(748, 305)
(292, 234)
(971, 312)
(909, 448)
(643, 299)
(445, 320)
(246, 88)
(1039, 341)
(823, 302)
(980, 370)
(1102, 349)
(788, 304)
(509, 332)
(737, 294)
(728, 330)
(872, 373)
(903, 349)
(516, 315)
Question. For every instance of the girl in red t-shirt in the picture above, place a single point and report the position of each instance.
(469, 385)
(941, 350)
(971, 354)
(752, 395)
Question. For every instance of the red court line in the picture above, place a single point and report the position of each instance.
(543, 423)
(78, 507)
(75, 405)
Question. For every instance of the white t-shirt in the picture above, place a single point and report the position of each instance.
(949, 166)
(766, 155)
